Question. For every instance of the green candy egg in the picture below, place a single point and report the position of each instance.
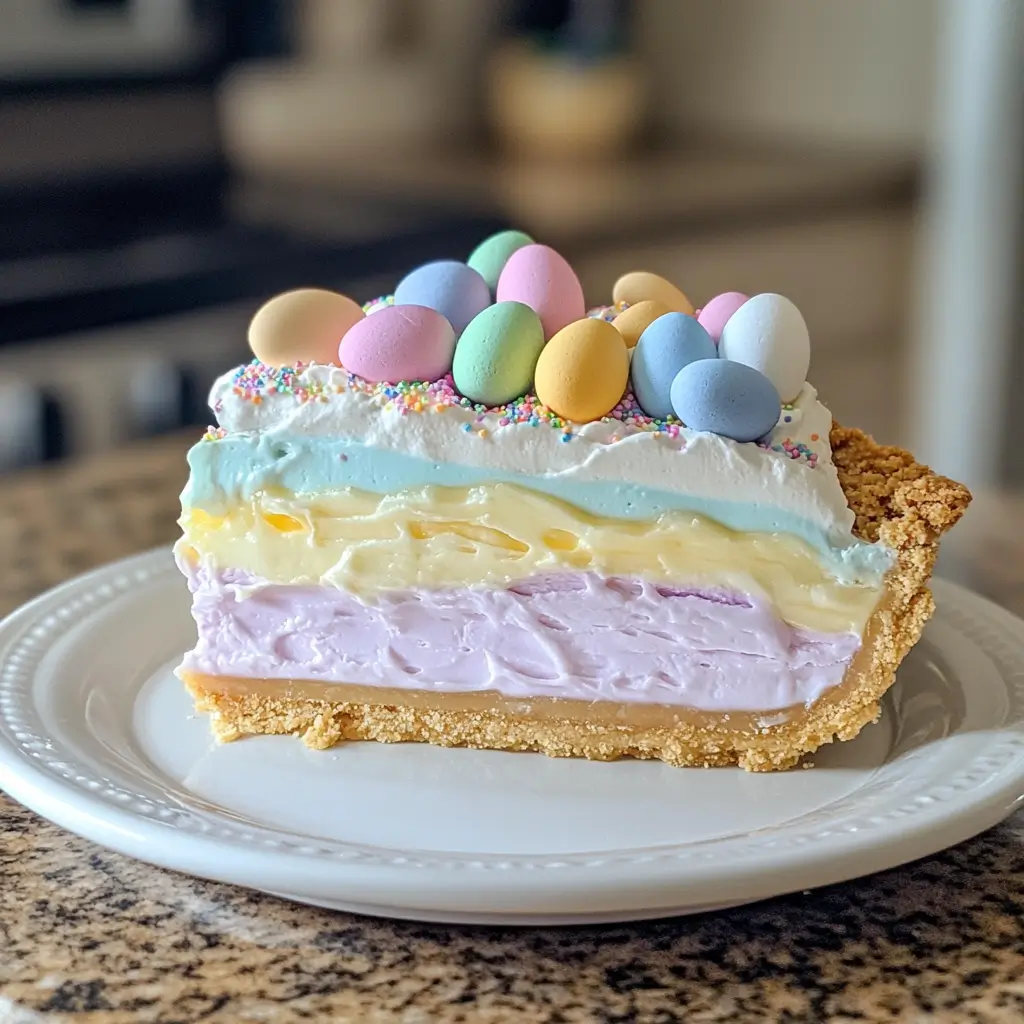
(490, 256)
(497, 353)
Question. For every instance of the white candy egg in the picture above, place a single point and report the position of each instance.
(769, 333)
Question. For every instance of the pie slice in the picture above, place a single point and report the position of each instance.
(390, 560)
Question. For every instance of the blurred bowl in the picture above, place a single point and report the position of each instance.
(548, 104)
(280, 117)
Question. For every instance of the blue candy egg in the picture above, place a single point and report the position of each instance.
(666, 345)
(456, 291)
(726, 398)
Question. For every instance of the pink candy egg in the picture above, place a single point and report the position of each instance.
(540, 278)
(715, 314)
(399, 343)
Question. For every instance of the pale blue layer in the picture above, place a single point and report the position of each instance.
(235, 468)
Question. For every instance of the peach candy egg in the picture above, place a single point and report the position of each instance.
(633, 321)
(582, 371)
(639, 285)
(302, 326)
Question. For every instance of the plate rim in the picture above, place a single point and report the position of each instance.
(609, 885)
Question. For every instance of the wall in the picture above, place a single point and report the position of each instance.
(835, 71)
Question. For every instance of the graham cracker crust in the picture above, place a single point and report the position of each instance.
(895, 500)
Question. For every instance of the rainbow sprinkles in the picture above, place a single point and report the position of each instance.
(254, 382)
(475, 513)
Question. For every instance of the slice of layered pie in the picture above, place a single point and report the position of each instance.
(513, 525)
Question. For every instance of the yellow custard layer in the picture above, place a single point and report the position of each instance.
(496, 534)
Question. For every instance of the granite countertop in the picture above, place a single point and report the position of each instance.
(90, 936)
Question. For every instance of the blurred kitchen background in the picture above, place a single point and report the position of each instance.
(166, 164)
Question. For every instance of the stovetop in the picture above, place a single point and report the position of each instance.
(75, 257)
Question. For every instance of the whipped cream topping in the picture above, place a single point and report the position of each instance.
(704, 466)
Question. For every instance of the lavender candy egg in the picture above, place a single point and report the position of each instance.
(667, 344)
(456, 291)
(399, 343)
(726, 398)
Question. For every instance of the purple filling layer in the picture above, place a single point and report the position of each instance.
(577, 636)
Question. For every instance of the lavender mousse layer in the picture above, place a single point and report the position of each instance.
(573, 636)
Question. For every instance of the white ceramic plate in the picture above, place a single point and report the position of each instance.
(97, 735)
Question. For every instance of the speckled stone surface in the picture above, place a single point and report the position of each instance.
(90, 936)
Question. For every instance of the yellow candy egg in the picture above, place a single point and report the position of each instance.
(302, 326)
(582, 371)
(639, 285)
(632, 322)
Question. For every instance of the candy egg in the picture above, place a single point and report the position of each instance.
(496, 354)
(488, 259)
(540, 278)
(715, 315)
(726, 398)
(399, 343)
(632, 322)
(768, 333)
(638, 285)
(582, 371)
(456, 291)
(302, 326)
(669, 343)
